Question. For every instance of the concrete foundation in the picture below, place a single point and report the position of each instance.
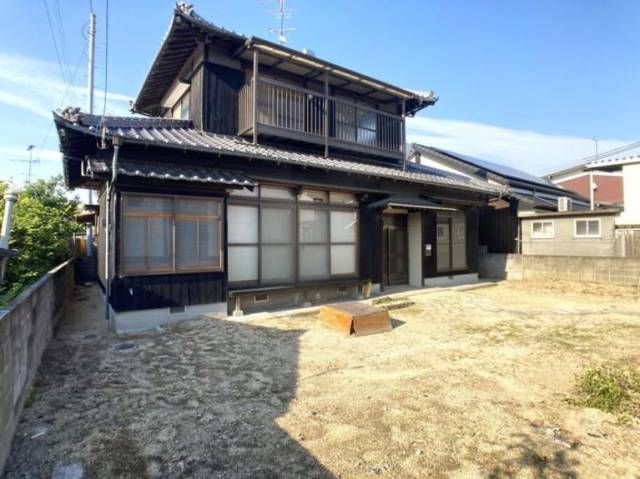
(453, 280)
(145, 320)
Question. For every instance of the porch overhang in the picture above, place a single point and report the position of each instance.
(94, 168)
(415, 203)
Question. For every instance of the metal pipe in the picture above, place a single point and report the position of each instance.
(117, 142)
(90, 89)
(10, 199)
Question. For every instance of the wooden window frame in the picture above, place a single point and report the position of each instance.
(148, 271)
(259, 202)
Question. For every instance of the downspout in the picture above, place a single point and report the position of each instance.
(10, 199)
(117, 142)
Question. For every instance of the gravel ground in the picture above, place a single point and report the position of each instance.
(467, 384)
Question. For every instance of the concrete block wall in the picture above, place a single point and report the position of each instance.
(609, 270)
(26, 326)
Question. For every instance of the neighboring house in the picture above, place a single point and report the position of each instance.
(615, 180)
(570, 233)
(262, 177)
(614, 177)
(525, 195)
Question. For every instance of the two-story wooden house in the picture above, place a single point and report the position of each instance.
(262, 177)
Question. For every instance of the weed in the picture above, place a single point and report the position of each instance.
(609, 388)
(30, 398)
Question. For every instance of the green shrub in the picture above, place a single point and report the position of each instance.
(43, 227)
(609, 388)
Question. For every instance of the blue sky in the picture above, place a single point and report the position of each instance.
(525, 83)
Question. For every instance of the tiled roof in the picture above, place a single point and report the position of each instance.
(181, 135)
(172, 172)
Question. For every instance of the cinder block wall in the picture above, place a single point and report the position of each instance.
(611, 270)
(26, 326)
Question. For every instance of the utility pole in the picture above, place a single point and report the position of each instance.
(90, 82)
(92, 51)
(592, 185)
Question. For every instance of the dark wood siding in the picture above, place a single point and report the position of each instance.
(221, 86)
(429, 234)
(129, 293)
(196, 92)
(499, 229)
(164, 291)
(370, 244)
(471, 216)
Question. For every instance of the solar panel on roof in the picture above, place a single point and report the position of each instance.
(497, 168)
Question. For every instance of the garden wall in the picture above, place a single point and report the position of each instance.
(26, 326)
(609, 270)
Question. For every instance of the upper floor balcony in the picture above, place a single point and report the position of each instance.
(287, 111)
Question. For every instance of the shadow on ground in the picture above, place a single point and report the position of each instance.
(199, 400)
(541, 462)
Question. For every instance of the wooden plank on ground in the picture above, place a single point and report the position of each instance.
(355, 318)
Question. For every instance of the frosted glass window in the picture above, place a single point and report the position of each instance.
(243, 263)
(278, 193)
(160, 243)
(313, 196)
(313, 226)
(134, 241)
(148, 204)
(587, 228)
(542, 229)
(277, 263)
(186, 207)
(209, 242)
(314, 261)
(244, 193)
(343, 226)
(277, 225)
(186, 243)
(339, 198)
(343, 259)
(243, 224)
(151, 224)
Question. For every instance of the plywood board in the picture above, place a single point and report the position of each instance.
(355, 318)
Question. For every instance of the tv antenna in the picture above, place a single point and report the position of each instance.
(30, 162)
(282, 13)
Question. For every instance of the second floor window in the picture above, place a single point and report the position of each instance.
(182, 108)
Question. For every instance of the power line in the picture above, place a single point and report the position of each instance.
(55, 45)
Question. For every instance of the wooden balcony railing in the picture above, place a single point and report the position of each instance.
(308, 115)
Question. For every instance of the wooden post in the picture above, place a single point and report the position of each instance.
(255, 97)
(326, 114)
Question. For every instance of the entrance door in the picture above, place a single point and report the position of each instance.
(394, 249)
(451, 242)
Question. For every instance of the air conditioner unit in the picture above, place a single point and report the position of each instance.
(565, 203)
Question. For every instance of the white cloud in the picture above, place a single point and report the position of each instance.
(529, 151)
(36, 86)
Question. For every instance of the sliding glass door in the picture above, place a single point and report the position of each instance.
(451, 245)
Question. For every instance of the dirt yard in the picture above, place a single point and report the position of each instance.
(468, 384)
